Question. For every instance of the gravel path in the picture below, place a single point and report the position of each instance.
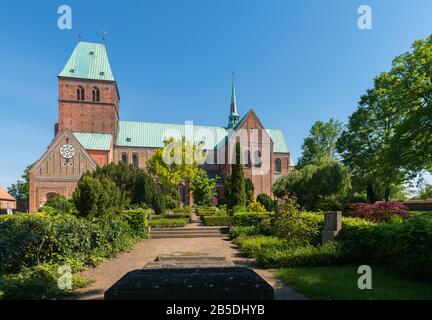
(109, 272)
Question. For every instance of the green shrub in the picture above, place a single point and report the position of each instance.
(184, 210)
(60, 204)
(36, 283)
(217, 220)
(207, 211)
(239, 208)
(235, 232)
(185, 216)
(406, 246)
(28, 240)
(299, 228)
(253, 245)
(138, 221)
(167, 223)
(250, 218)
(307, 256)
(266, 201)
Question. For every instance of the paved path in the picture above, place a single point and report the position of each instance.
(109, 272)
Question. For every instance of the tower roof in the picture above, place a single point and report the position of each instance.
(233, 100)
(88, 61)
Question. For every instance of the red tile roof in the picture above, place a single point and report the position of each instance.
(5, 196)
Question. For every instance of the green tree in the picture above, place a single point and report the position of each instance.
(321, 142)
(123, 176)
(249, 190)
(320, 186)
(235, 191)
(387, 141)
(411, 94)
(96, 197)
(175, 164)
(365, 145)
(148, 193)
(204, 188)
(20, 189)
(426, 192)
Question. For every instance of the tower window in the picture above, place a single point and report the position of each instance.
(124, 158)
(80, 94)
(96, 95)
(135, 160)
(278, 165)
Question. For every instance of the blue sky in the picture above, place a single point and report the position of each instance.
(295, 61)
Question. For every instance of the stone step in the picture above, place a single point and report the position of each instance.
(190, 229)
(190, 256)
(185, 231)
(185, 235)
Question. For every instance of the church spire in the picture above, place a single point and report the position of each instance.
(233, 117)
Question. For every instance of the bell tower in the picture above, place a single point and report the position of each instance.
(88, 95)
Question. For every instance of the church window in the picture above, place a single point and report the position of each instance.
(278, 165)
(124, 158)
(95, 95)
(257, 161)
(80, 94)
(135, 160)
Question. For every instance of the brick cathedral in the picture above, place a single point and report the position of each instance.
(89, 133)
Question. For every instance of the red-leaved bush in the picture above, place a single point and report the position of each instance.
(380, 211)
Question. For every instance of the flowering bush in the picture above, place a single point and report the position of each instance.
(380, 211)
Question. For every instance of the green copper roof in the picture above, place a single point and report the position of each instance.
(279, 144)
(94, 141)
(88, 61)
(152, 135)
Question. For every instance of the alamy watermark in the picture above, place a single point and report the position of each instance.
(64, 22)
(64, 282)
(364, 21)
(364, 282)
(218, 146)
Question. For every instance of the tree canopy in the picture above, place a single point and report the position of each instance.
(321, 142)
(388, 140)
(174, 164)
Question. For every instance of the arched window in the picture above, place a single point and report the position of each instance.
(257, 160)
(96, 95)
(80, 93)
(124, 159)
(135, 160)
(278, 165)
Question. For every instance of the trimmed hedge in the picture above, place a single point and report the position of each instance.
(217, 220)
(253, 245)
(251, 218)
(308, 256)
(167, 223)
(185, 216)
(207, 211)
(406, 246)
(236, 232)
(185, 210)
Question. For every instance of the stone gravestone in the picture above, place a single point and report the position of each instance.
(191, 276)
(332, 225)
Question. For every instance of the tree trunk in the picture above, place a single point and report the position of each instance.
(387, 194)
(370, 193)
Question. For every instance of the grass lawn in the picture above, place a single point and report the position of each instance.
(340, 283)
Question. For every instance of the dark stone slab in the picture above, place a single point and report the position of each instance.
(175, 264)
(224, 283)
